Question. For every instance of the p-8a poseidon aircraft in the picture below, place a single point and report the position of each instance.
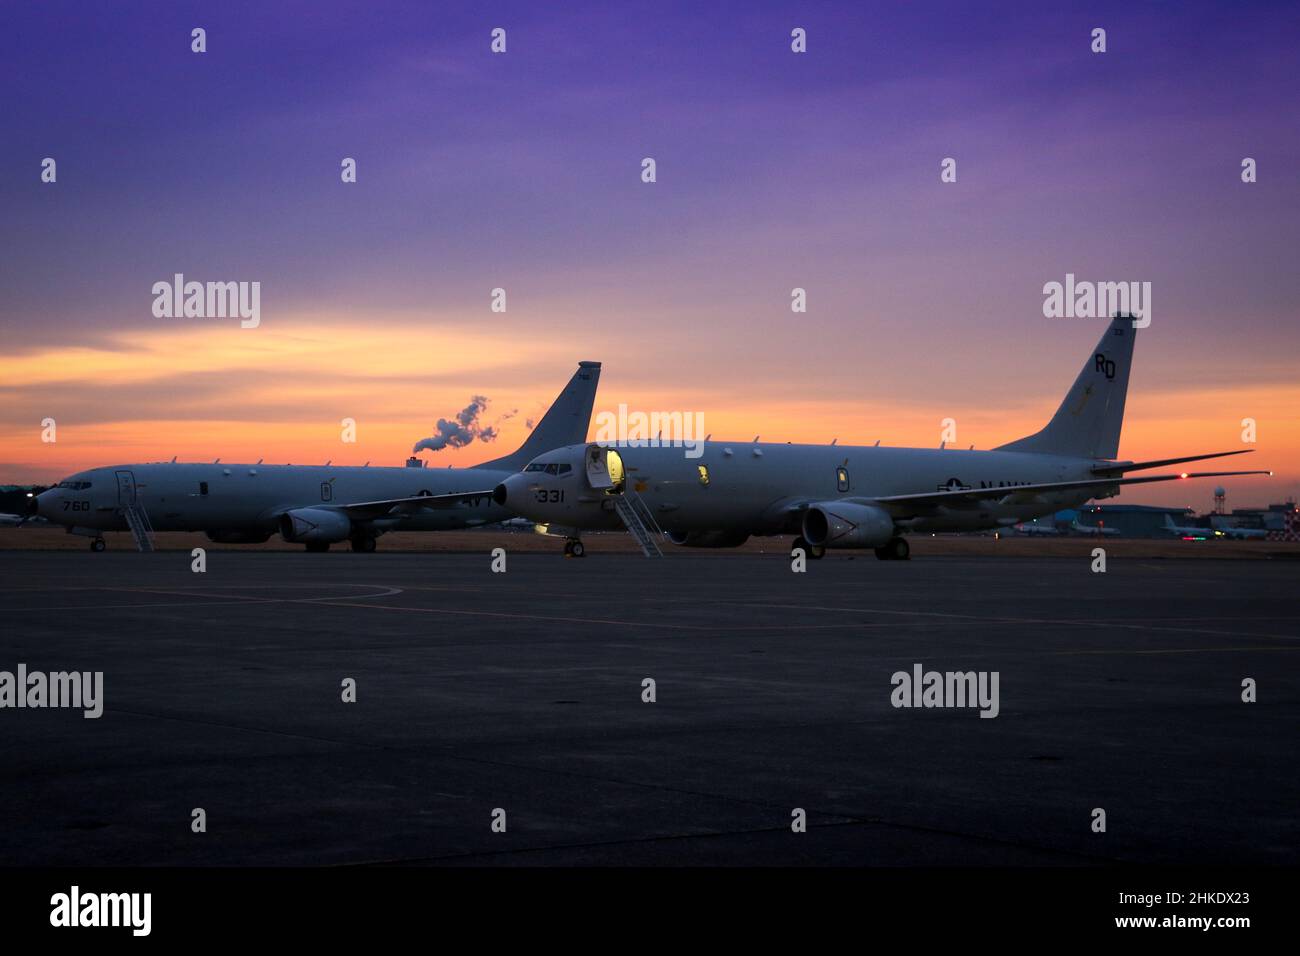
(312, 505)
(836, 496)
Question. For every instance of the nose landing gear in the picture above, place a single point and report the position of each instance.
(573, 548)
(97, 544)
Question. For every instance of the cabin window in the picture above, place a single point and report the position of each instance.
(842, 478)
(203, 487)
(326, 491)
(704, 475)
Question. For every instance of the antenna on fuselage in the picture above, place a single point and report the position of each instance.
(943, 444)
(834, 440)
(260, 460)
(755, 441)
(217, 462)
(173, 459)
(877, 444)
(327, 464)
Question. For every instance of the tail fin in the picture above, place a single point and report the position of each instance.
(565, 423)
(1088, 423)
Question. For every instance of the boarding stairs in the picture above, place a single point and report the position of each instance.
(639, 522)
(138, 521)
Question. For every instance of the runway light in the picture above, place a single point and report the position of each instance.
(1183, 475)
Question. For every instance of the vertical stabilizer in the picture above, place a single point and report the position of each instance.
(1087, 425)
(566, 422)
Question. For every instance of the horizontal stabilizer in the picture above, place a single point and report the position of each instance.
(1119, 467)
(934, 499)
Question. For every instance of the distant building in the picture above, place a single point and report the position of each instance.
(1276, 517)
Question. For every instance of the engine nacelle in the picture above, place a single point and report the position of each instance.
(314, 526)
(708, 539)
(841, 524)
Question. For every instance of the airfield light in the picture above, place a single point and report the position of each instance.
(1183, 475)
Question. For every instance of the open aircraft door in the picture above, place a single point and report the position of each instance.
(604, 469)
(125, 488)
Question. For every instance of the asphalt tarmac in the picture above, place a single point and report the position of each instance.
(523, 692)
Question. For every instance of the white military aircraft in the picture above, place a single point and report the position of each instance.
(1092, 530)
(1218, 530)
(835, 496)
(312, 505)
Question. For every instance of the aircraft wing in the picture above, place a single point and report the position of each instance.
(1011, 493)
(392, 507)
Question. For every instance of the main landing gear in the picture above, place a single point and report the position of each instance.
(573, 548)
(97, 544)
(895, 549)
(814, 552)
(365, 544)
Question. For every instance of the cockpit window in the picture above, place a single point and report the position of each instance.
(565, 469)
(74, 485)
(535, 466)
(552, 469)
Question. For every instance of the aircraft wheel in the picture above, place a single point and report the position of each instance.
(97, 544)
(317, 546)
(577, 549)
(895, 549)
(365, 545)
(813, 552)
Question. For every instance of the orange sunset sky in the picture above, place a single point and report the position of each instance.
(280, 391)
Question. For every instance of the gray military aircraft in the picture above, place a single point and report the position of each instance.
(836, 496)
(308, 504)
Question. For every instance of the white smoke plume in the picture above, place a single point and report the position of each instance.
(464, 428)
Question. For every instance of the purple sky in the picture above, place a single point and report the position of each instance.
(775, 170)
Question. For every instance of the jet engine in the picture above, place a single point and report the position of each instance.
(314, 526)
(841, 524)
(708, 539)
